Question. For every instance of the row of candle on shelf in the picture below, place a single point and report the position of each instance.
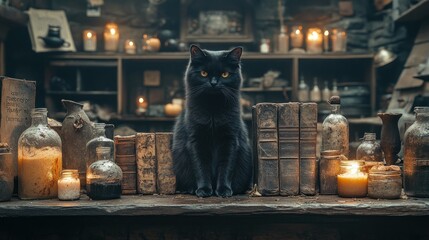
(111, 41)
(316, 41)
(316, 94)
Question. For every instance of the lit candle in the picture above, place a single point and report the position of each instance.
(141, 105)
(69, 185)
(338, 40)
(326, 40)
(130, 47)
(89, 41)
(296, 36)
(314, 40)
(352, 182)
(111, 37)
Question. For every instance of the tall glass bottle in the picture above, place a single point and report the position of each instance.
(99, 141)
(303, 91)
(283, 40)
(369, 150)
(335, 133)
(315, 95)
(39, 159)
(104, 177)
(416, 155)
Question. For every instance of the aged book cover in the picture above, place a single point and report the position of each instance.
(254, 146)
(146, 163)
(267, 141)
(307, 139)
(288, 114)
(166, 178)
(125, 155)
(17, 100)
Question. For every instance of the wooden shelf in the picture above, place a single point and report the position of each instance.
(274, 89)
(134, 118)
(416, 12)
(83, 93)
(83, 63)
(186, 205)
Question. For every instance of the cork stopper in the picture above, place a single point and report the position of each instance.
(4, 148)
(334, 100)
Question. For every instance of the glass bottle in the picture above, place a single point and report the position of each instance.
(104, 177)
(416, 155)
(326, 93)
(39, 159)
(369, 150)
(99, 141)
(264, 46)
(283, 40)
(315, 92)
(335, 132)
(335, 91)
(69, 185)
(303, 91)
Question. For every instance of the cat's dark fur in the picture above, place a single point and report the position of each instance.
(211, 150)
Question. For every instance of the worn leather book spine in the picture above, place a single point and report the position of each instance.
(307, 139)
(146, 163)
(166, 178)
(288, 124)
(267, 148)
(125, 155)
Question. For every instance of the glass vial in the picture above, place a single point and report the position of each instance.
(104, 177)
(369, 150)
(99, 141)
(416, 155)
(326, 93)
(335, 132)
(39, 159)
(69, 185)
(303, 91)
(315, 94)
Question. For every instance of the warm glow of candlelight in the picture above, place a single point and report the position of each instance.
(352, 182)
(89, 34)
(313, 36)
(297, 31)
(112, 31)
(326, 33)
(131, 43)
(141, 100)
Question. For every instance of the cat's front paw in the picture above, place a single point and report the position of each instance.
(204, 192)
(224, 191)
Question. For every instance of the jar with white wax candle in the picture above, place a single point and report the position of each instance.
(69, 185)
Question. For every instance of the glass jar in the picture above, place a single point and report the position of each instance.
(338, 40)
(335, 131)
(99, 141)
(103, 177)
(6, 178)
(296, 37)
(39, 159)
(369, 150)
(385, 182)
(69, 185)
(416, 155)
(352, 180)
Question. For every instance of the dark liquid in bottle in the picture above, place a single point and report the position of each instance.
(103, 191)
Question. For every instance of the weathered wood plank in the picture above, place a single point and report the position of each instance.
(187, 205)
(418, 55)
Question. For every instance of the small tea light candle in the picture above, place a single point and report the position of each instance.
(89, 41)
(296, 37)
(111, 37)
(339, 40)
(141, 106)
(326, 40)
(314, 40)
(352, 182)
(69, 185)
(130, 47)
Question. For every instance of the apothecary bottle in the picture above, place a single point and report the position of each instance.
(103, 177)
(303, 91)
(369, 149)
(39, 159)
(99, 141)
(335, 132)
(416, 155)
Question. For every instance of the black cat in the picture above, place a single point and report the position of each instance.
(211, 150)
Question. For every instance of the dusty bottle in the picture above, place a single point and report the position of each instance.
(104, 177)
(315, 95)
(416, 155)
(303, 91)
(335, 130)
(369, 149)
(326, 93)
(99, 141)
(283, 40)
(39, 159)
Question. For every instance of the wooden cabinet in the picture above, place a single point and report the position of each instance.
(116, 80)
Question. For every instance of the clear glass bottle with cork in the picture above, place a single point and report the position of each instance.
(99, 141)
(335, 129)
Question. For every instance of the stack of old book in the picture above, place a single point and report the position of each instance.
(285, 148)
(146, 162)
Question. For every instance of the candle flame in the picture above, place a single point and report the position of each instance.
(297, 31)
(313, 36)
(89, 34)
(131, 43)
(112, 31)
(354, 169)
(326, 33)
(141, 100)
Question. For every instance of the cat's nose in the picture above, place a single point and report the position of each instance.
(213, 82)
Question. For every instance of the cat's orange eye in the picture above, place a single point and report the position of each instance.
(204, 73)
(225, 74)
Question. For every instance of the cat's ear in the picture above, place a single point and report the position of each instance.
(196, 52)
(235, 54)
